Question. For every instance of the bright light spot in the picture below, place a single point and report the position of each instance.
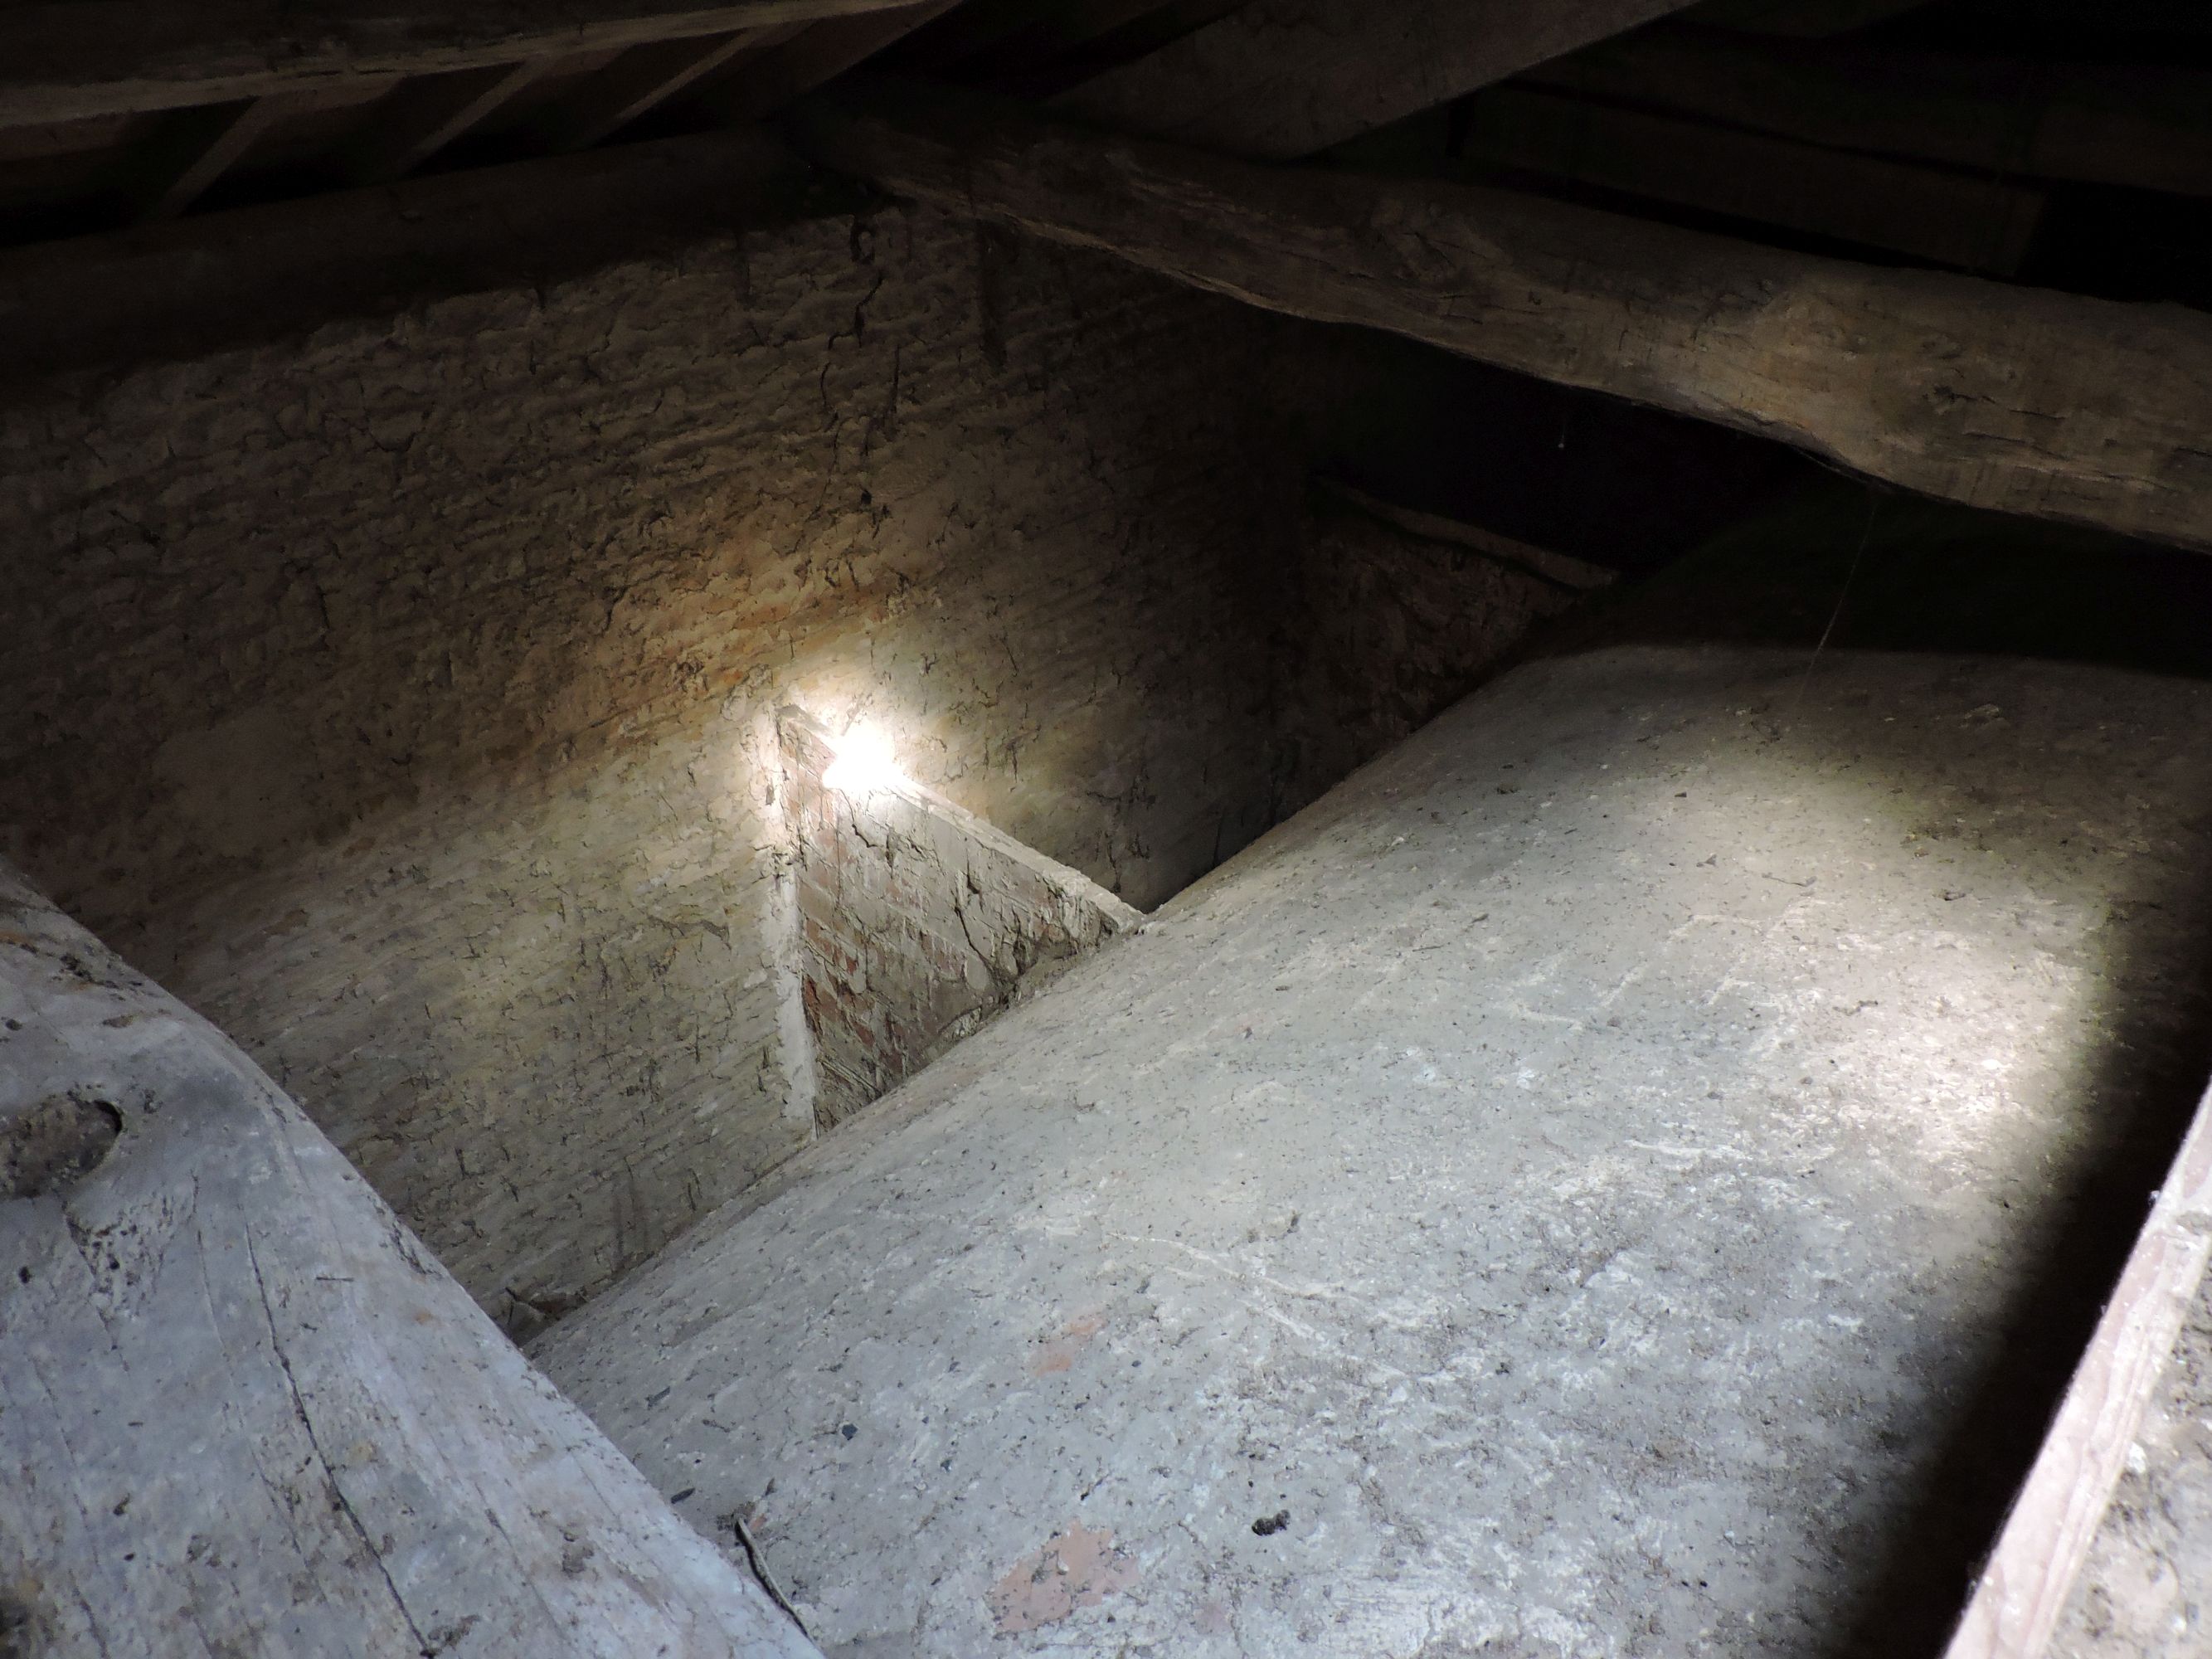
(864, 762)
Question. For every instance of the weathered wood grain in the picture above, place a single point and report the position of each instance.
(63, 60)
(245, 1412)
(2016, 1605)
(1282, 78)
(2019, 400)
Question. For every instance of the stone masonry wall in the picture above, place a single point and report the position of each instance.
(917, 922)
(402, 693)
(1387, 629)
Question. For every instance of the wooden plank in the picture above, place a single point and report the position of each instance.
(189, 152)
(257, 273)
(1949, 218)
(2145, 128)
(638, 82)
(2018, 400)
(65, 59)
(247, 1412)
(1284, 78)
(424, 116)
(2017, 1601)
(765, 83)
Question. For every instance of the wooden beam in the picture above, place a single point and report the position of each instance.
(2018, 400)
(2141, 128)
(2015, 1607)
(424, 117)
(64, 60)
(763, 84)
(216, 281)
(1948, 218)
(261, 1418)
(1284, 78)
(640, 80)
(189, 152)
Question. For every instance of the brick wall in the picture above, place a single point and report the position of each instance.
(917, 921)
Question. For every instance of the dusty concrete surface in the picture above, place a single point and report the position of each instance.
(2145, 1591)
(1627, 1173)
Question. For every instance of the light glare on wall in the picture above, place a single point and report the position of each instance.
(864, 762)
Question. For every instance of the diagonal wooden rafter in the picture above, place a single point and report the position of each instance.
(1284, 78)
(640, 80)
(765, 82)
(424, 117)
(193, 151)
(2141, 127)
(2018, 400)
(63, 60)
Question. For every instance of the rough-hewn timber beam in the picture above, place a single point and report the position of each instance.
(1283, 78)
(255, 273)
(2015, 400)
(247, 1412)
(63, 60)
(2018, 1601)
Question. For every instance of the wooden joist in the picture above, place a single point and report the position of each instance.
(2017, 1601)
(1284, 78)
(63, 60)
(2019, 400)
(2142, 128)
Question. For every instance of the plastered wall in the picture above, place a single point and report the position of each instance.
(400, 693)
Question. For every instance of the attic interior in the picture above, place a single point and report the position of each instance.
(1108, 827)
